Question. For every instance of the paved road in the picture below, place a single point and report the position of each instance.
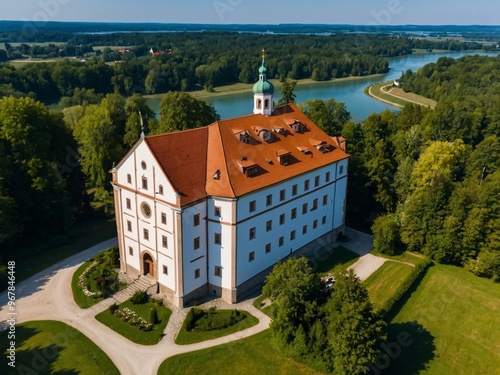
(48, 296)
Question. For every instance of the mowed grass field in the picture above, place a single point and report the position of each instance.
(49, 347)
(253, 355)
(453, 318)
(382, 284)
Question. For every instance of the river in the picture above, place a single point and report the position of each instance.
(350, 92)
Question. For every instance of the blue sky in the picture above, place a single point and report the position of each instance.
(394, 12)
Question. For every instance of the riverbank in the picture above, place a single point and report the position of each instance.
(395, 96)
(243, 88)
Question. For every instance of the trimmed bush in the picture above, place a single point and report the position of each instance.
(139, 297)
(113, 308)
(153, 316)
(404, 287)
(211, 319)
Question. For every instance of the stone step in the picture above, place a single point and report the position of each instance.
(140, 284)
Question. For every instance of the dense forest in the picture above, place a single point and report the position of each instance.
(434, 174)
(161, 62)
(427, 180)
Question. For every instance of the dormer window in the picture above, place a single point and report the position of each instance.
(216, 175)
(283, 157)
(248, 167)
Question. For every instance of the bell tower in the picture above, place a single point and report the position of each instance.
(263, 91)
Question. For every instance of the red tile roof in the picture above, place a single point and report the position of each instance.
(207, 160)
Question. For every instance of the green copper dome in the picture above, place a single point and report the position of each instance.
(263, 86)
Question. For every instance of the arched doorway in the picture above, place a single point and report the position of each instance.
(148, 265)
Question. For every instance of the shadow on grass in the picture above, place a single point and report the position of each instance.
(328, 259)
(409, 350)
(38, 360)
(396, 308)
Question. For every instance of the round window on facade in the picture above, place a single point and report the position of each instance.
(143, 164)
(146, 210)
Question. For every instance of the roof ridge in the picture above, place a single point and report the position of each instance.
(225, 158)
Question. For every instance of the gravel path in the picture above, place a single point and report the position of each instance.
(48, 296)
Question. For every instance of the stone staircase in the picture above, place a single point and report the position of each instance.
(143, 283)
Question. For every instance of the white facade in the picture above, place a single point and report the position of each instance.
(270, 197)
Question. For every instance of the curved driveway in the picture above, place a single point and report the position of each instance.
(48, 296)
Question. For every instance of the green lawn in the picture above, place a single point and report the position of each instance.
(81, 238)
(338, 256)
(384, 282)
(49, 347)
(81, 299)
(190, 337)
(252, 355)
(453, 319)
(132, 332)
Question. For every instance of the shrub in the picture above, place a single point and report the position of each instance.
(139, 297)
(190, 320)
(113, 308)
(153, 316)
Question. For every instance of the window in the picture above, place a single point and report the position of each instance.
(129, 178)
(292, 235)
(146, 210)
(282, 219)
(130, 250)
(315, 204)
(304, 229)
(143, 165)
(304, 208)
(269, 226)
(129, 226)
(341, 169)
(323, 220)
(251, 206)
(325, 200)
(266, 103)
(316, 181)
(315, 224)
(294, 213)
(197, 273)
(281, 241)
(259, 104)
(282, 195)
(165, 270)
(196, 243)
(269, 200)
(217, 238)
(306, 185)
(327, 177)
(294, 190)
(145, 183)
(164, 218)
(251, 256)
(217, 211)
(128, 204)
(146, 234)
(160, 189)
(218, 271)
(268, 248)
(196, 220)
(164, 241)
(251, 233)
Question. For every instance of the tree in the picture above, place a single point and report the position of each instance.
(293, 289)
(354, 329)
(329, 115)
(34, 201)
(96, 136)
(287, 87)
(133, 106)
(386, 234)
(181, 111)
